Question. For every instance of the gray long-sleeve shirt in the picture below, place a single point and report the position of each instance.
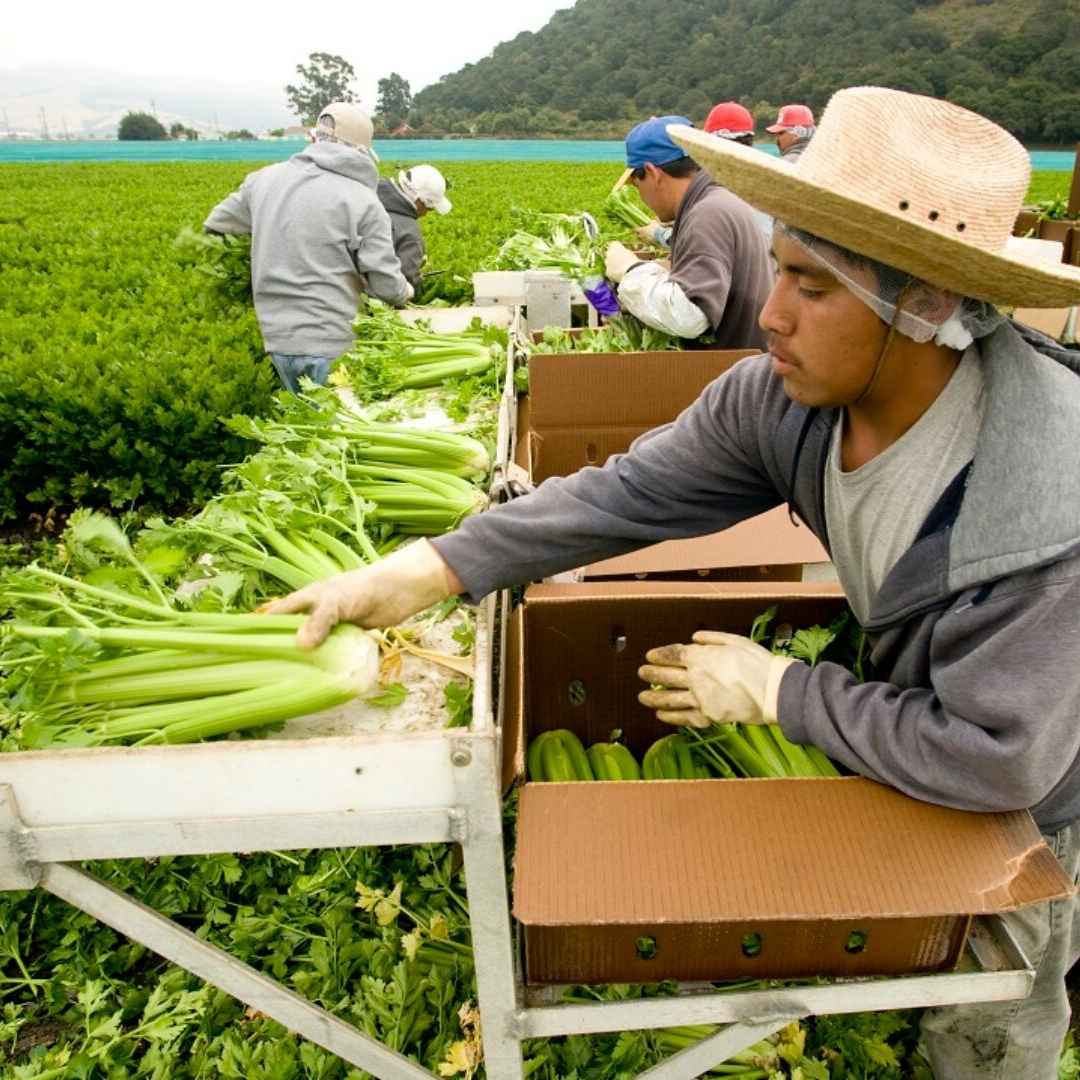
(975, 630)
(405, 229)
(320, 238)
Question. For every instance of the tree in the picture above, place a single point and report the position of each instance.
(326, 78)
(395, 100)
(240, 134)
(140, 126)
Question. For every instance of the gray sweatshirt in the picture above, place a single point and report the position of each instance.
(405, 228)
(318, 234)
(975, 631)
(720, 259)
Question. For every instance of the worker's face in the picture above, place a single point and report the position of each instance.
(784, 139)
(421, 209)
(656, 192)
(824, 341)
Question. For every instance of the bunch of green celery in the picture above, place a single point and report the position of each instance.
(92, 665)
(625, 208)
(542, 241)
(760, 750)
(623, 333)
(390, 355)
(224, 262)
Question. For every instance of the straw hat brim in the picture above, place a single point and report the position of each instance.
(935, 256)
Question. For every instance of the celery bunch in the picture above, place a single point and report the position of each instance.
(390, 355)
(91, 665)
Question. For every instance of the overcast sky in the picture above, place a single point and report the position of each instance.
(260, 44)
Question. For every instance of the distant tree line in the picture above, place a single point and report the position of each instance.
(603, 64)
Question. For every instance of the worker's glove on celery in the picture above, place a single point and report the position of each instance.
(383, 594)
(720, 679)
(410, 292)
(618, 259)
(655, 233)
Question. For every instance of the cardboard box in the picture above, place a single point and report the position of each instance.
(721, 879)
(1027, 222)
(584, 407)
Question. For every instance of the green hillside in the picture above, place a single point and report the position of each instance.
(601, 64)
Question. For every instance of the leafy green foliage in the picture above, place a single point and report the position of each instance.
(325, 78)
(140, 126)
(1011, 62)
(115, 365)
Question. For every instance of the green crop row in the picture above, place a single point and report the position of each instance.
(117, 361)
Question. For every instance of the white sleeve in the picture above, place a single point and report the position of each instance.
(648, 292)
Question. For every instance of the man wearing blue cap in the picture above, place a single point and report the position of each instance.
(720, 275)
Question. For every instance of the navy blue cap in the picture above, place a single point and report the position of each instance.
(650, 144)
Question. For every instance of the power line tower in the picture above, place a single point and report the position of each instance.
(67, 134)
(7, 126)
(153, 108)
(44, 124)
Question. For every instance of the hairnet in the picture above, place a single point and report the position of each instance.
(928, 312)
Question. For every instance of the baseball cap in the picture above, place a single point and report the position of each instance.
(729, 120)
(344, 122)
(649, 144)
(791, 116)
(426, 183)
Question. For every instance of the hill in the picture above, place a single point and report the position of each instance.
(602, 64)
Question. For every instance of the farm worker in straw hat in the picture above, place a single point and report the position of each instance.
(407, 198)
(728, 120)
(794, 128)
(932, 444)
(720, 273)
(320, 239)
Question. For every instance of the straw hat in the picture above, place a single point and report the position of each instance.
(916, 183)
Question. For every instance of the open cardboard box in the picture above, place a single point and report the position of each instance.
(583, 407)
(723, 879)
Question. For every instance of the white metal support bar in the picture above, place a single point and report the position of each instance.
(477, 769)
(149, 928)
(274, 832)
(714, 1050)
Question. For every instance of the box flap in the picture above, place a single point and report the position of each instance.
(1051, 321)
(770, 539)
(629, 391)
(766, 850)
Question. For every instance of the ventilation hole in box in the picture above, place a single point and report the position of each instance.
(618, 640)
(856, 942)
(904, 204)
(575, 691)
(645, 947)
(933, 215)
(751, 945)
(591, 455)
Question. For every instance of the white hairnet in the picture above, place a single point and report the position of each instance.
(928, 312)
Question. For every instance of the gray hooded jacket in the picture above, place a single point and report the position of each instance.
(319, 238)
(975, 632)
(405, 228)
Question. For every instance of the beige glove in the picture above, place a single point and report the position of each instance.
(655, 233)
(721, 679)
(383, 594)
(617, 260)
(410, 292)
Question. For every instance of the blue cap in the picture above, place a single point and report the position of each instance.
(650, 144)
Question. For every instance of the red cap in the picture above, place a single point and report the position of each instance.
(729, 118)
(791, 116)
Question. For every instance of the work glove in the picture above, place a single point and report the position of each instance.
(654, 233)
(383, 594)
(410, 292)
(617, 260)
(720, 679)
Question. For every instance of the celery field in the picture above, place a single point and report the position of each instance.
(118, 365)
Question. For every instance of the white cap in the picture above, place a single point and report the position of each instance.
(426, 183)
(344, 122)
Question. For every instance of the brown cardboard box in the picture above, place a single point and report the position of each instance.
(584, 407)
(1027, 221)
(719, 879)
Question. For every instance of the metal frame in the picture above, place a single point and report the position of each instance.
(61, 807)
